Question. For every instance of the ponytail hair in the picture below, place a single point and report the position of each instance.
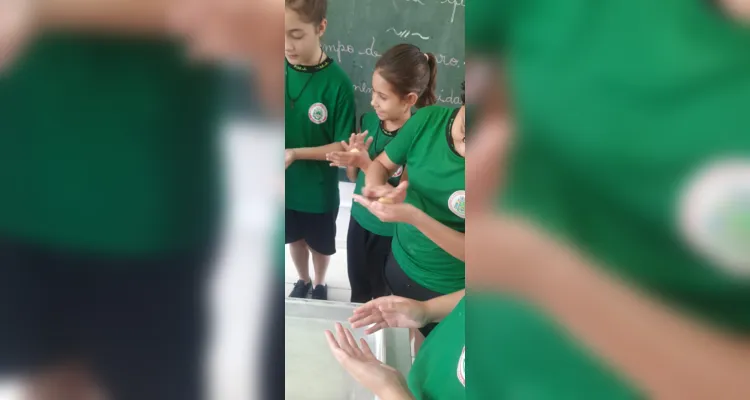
(409, 70)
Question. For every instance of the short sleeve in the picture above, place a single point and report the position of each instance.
(346, 118)
(398, 149)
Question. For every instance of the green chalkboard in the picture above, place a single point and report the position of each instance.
(360, 30)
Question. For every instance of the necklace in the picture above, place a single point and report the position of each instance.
(293, 100)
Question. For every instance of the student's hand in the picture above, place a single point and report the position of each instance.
(237, 31)
(386, 193)
(17, 26)
(289, 157)
(358, 141)
(355, 152)
(383, 380)
(390, 312)
(740, 9)
(391, 207)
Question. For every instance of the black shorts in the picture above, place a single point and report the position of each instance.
(401, 285)
(366, 255)
(317, 230)
(137, 323)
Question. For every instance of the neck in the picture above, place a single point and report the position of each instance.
(318, 58)
(392, 125)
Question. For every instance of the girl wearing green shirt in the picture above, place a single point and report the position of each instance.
(438, 372)
(404, 78)
(427, 255)
(627, 251)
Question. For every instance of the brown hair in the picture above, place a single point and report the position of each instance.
(310, 11)
(409, 70)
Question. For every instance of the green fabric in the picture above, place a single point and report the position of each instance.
(436, 186)
(617, 105)
(323, 114)
(371, 123)
(438, 370)
(515, 353)
(108, 145)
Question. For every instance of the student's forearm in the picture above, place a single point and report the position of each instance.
(316, 153)
(106, 16)
(448, 239)
(665, 354)
(376, 174)
(439, 307)
(351, 173)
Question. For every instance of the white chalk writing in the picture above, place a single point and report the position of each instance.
(337, 49)
(451, 99)
(456, 4)
(370, 51)
(406, 33)
(362, 87)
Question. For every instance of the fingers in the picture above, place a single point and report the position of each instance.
(376, 327)
(362, 200)
(333, 344)
(368, 142)
(398, 192)
(366, 351)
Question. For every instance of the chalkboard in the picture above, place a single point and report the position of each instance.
(359, 31)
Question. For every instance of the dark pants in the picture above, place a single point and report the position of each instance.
(366, 255)
(137, 322)
(401, 285)
(318, 230)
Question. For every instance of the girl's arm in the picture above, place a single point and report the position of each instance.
(315, 153)
(351, 173)
(448, 239)
(439, 307)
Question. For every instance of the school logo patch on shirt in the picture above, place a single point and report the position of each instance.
(457, 203)
(318, 113)
(398, 172)
(461, 369)
(715, 215)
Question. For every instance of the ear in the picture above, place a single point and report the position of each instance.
(322, 27)
(411, 99)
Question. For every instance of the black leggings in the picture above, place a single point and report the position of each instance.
(366, 255)
(401, 285)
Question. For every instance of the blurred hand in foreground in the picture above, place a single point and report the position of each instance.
(381, 379)
(17, 26)
(237, 31)
(390, 312)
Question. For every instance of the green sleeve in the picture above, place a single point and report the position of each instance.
(346, 118)
(398, 149)
(486, 23)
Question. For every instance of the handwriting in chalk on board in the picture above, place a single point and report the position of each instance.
(362, 88)
(414, 1)
(456, 4)
(338, 49)
(406, 33)
(370, 51)
(452, 99)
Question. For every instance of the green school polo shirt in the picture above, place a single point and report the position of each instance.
(108, 145)
(371, 123)
(319, 111)
(622, 109)
(437, 187)
(439, 370)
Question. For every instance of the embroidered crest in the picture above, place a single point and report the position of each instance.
(715, 215)
(318, 113)
(457, 203)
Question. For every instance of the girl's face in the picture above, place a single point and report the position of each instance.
(389, 105)
(302, 40)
